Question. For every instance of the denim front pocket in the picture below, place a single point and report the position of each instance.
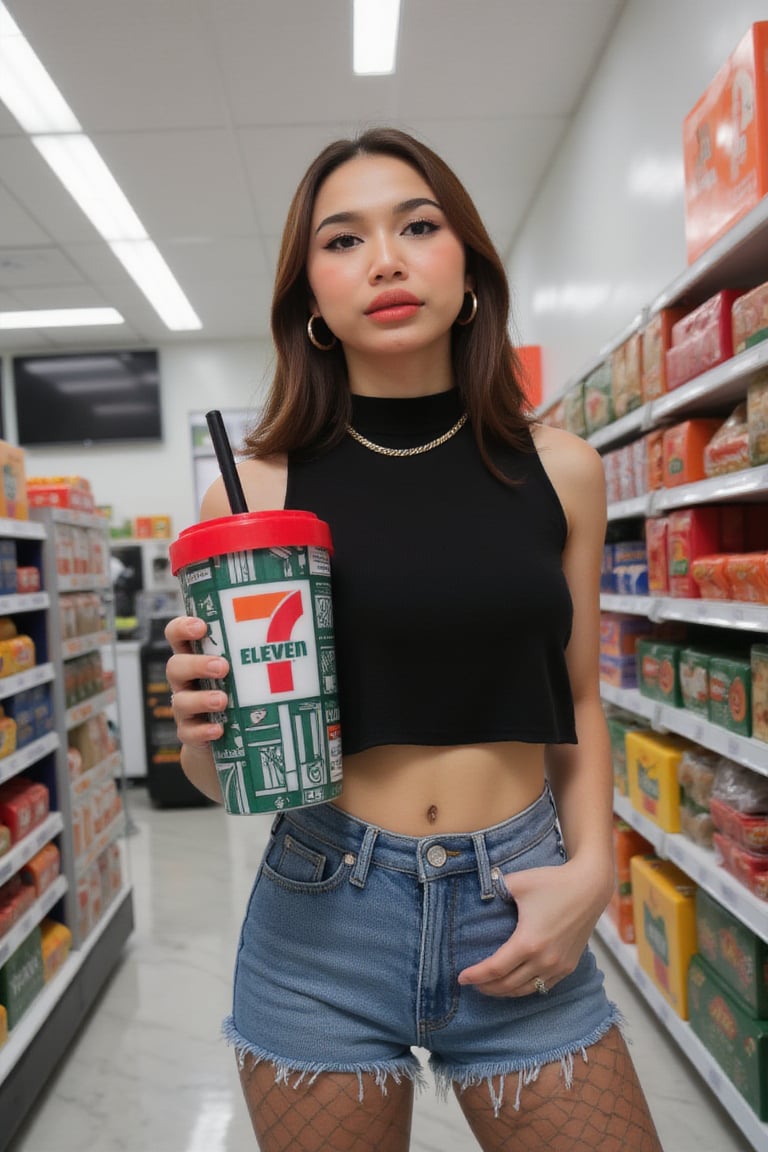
(298, 865)
(546, 851)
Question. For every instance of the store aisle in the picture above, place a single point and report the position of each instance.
(148, 1072)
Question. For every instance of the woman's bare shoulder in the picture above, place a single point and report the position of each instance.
(264, 486)
(575, 469)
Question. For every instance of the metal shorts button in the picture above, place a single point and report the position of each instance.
(436, 855)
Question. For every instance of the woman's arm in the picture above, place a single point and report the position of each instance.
(559, 907)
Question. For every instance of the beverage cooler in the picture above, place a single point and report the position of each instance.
(166, 783)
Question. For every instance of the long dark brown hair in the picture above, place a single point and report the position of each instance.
(309, 404)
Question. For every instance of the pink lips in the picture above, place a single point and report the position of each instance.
(394, 305)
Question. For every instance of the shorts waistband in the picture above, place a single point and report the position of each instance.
(427, 857)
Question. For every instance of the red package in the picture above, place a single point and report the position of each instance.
(756, 527)
(656, 547)
(747, 575)
(657, 340)
(684, 446)
(748, 829)
(733, 528)
(41, 871)
(711, 578)
(702, 339)
(750, 868)
(16, 814)
(749, 316)
(692, 532)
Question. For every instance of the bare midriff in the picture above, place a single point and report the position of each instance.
(419, 791)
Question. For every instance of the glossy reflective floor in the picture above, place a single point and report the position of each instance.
(148, 1073)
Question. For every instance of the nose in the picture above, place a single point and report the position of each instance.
(387, 261)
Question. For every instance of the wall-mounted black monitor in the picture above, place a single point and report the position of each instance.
(87, 397)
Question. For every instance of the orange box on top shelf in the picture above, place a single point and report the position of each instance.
(725, 144)
(13, 488)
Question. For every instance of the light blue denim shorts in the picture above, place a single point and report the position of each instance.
(354, 938)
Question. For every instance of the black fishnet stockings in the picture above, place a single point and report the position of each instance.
(604, 1108)
(327, 1115)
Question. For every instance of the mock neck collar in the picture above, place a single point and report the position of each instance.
(406, 415)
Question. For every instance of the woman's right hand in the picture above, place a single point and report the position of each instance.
(191, 704)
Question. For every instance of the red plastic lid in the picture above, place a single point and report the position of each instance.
(248, 531)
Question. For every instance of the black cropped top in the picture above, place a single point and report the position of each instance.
(451, 609)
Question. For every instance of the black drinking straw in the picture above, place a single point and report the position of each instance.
(226, 461)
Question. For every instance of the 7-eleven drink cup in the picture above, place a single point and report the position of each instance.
(262, 583)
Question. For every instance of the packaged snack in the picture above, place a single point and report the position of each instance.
(598, 398)
(56, 941)
(737, 1040)
(737, 955)
(626, 376)
(41, 871)
(747, 576)
(626, 844)
(655, 458)
(656, 534)
(652, 770)
(694, 679)
(758, 659)
(692, 532)
(730, 694)
(749, 868)
(733, 528)
(658, 671)
(724, 138)
(619, 633)
(749, 316)
(684, 446)
(21, 977)
(665, 926)
(709, 575)
(728, 450)
(702, 339)
(573, 410)
(657, 339)
(740, 787)
(757, 418)
(747, 829)
(619, 724)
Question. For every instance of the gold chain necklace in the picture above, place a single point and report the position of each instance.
(408, 451)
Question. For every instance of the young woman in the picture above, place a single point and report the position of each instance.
(439, 902)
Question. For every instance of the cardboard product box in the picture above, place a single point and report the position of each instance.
(747, 576)
(758, 663)
(626, 844)
(3, 1025)
(734, 952)
(619, 724)
(683, 446)
(702, 339)
(573, 410)
(692, 532)
(14, 503)
(619, 633)
(737, 1040)
(748, 829)
(21, 977)
(656, 538)
(749, 316)
(619, 671)
(694, 679)
(749, 868)
(56, 941)
(657, 340)
(730, 693)
(626, 376)
(652, 772)
(710, 576)
(658, 671)
(757, 418)
(725, 144)
(598, 398)
(664, 899)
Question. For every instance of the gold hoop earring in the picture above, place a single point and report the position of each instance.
(473, 310)
(314, 340)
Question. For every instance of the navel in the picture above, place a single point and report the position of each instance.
(432, 813)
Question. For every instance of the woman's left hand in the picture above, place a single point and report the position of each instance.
(557, 910)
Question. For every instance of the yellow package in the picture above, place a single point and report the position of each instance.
(664, 900)
(3, 1025)
(56, 942)
(7, 736)
(13, 482)
(654, 790)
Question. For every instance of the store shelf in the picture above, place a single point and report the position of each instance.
(629, 509)
(749, 484)
(79, 645)
(680, 1031)
(725, 384)
(25, 757)
(11, 605)
(31, 844)
(78, 519)
(100, 844)
(84, 582)
(715, 613)
(21, 529)
(701, 865)
(743, 749)
(40, 674)
(33, 1022)
(625, 428)
(90, 707)
(31, 918)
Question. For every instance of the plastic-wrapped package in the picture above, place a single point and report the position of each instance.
(739, 787)
(728, 450)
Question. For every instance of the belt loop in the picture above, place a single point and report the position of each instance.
(277, 822)
(483, 866)
(360, 871)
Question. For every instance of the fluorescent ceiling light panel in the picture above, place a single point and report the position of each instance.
(26, 89)
(90, 183)
(376, 24)
(60, 318)
(146, 266)
(32, 97)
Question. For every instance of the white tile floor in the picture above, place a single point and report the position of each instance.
(147, 1073)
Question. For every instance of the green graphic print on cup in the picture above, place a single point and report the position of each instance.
(269, 613)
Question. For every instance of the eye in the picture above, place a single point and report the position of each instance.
(420, 228)
(342, 243)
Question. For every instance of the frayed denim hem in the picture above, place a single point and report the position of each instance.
(405, 1068)
(448, 1075)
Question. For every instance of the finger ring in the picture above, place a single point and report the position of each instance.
(540, 986)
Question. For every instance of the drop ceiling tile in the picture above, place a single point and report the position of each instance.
(24, 267)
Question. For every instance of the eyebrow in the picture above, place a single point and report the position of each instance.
(399, 210)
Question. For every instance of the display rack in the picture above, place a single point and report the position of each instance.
(737, 260)
(45, 1031)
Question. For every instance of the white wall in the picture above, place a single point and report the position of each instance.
(606, 232)
(157, 479)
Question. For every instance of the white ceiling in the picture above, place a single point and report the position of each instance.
(208, 111)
